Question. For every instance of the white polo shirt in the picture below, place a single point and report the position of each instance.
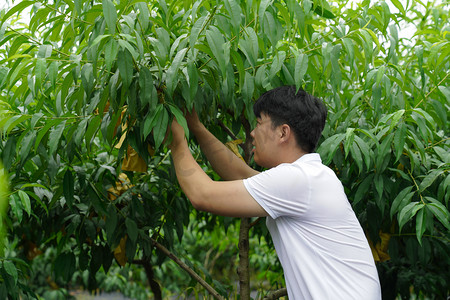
(318, 239)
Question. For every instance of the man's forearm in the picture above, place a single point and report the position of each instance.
(190, 175)
(222, 159)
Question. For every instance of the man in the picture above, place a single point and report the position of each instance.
(318, 239)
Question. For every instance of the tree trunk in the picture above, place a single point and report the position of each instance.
(243, 271)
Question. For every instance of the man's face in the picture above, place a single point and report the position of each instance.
(265, 142)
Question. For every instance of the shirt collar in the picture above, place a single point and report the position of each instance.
(309, 157)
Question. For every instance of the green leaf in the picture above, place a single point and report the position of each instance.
(217, 45)
(132, 229)
(111, 51)
(26, 144)
(357, 156)
(127, 45)
(349, 48)
(172, 72)
(81, 130)
(144, 15)
(421, 223)
(336, 74)
(324, 11)
(45, 51)
(262, 10)
(277, 63)
(193, 80)
(329, 147)
(159, 131)
(364, 149)
(248, 88)
(13, 122)
(430, 178)
(383, 151)
(78, 6)
(235, 12)
(25, 199)
(3, 75)
(8, 153)
(16, 207)
(399, 5)
(87, 78)
(160, 51)
(10, 268)
(180, 118)
(18, 8)
(35, 119)
(408, 212)
(440, 212)
(64, 266)
(249, 46)
(125, 64)
(195, 31)
(49, 124)
(261, 79)
(399, 140)
(401, 200)
(150, 120)
(147, 89)
(39, 71)
(349, 138)
(445, 90)
(53, 73)
(379, 187)
(111, 222)
(110, 13)
(68, 187)
(93, 127)
(55, 137)
(363, 189)
(301, 66)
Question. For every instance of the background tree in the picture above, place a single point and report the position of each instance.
(87, 89)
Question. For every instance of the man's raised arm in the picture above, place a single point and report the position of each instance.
(222, 159)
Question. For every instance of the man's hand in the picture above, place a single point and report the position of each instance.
(193, 121)
(177, 133)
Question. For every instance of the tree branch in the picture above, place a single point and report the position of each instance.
(247, 146)
(227, 130)
(276, 294)
(185, 267)
(243, 269)
(154, 285)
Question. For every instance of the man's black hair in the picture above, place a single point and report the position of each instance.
(304, 113)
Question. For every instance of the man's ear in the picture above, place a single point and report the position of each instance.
(285, 132)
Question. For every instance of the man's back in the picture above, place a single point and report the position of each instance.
(318, 238)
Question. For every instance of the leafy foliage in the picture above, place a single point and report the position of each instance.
(85, 84)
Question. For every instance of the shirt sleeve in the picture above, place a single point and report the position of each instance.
(281, 191)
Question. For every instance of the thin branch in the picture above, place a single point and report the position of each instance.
(247, 146)
(227, 130)
(437, 143)
(243, 269)
(432, 90)
(154, 285)
(255, 222)
(185, 267)
(37, 42)
(276, 294)
(66, 15)
(417, 186)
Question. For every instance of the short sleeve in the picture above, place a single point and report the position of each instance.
(281, 191)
